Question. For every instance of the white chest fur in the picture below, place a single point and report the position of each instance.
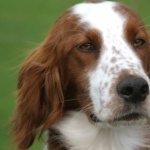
(79, 134)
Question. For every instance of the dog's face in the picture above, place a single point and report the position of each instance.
(95, 59)
(108, 63)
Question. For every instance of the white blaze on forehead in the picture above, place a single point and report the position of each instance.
(101, 16)
(110, 24)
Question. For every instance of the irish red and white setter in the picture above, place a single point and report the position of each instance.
(87, 84)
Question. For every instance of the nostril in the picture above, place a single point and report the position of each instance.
(127, 91)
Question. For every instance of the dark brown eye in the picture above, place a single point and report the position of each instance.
(87, 47)
(138, 43)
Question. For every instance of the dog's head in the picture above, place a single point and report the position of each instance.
(95, 59)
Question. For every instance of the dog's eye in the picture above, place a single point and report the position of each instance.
(138, 43)
(87, 47)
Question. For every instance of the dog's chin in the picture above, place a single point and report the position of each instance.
(128, 119)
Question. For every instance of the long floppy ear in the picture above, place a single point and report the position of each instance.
(40, 95)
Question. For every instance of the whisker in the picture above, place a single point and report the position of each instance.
(144, 26)
(74, 99)
(143, 19)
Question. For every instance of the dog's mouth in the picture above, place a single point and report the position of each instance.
(125, 118)
(129, 117)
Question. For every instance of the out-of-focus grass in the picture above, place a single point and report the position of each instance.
(24, 24)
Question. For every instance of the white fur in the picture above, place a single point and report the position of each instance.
(79, 134)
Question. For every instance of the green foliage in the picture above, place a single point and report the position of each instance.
(24, 24)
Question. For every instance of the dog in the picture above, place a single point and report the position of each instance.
(87, 85)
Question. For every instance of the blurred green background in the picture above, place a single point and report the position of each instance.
(23, 25)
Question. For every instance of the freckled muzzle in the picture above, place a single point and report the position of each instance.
(133, 89)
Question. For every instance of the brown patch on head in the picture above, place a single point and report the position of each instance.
(135, 29)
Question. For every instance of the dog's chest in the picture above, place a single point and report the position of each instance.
(78, 134)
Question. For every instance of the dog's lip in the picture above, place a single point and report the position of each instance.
(129, 117)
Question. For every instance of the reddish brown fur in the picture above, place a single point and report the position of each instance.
(136, 29)
(46, 79)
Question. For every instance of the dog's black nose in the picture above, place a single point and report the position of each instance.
(133, 89)
(94, 118)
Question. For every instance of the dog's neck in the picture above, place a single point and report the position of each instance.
(75, 132)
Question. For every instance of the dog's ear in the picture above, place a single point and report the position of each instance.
(41, 81)
(40, 95)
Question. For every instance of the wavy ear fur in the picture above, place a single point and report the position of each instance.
(40, 92)
(40, 95)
